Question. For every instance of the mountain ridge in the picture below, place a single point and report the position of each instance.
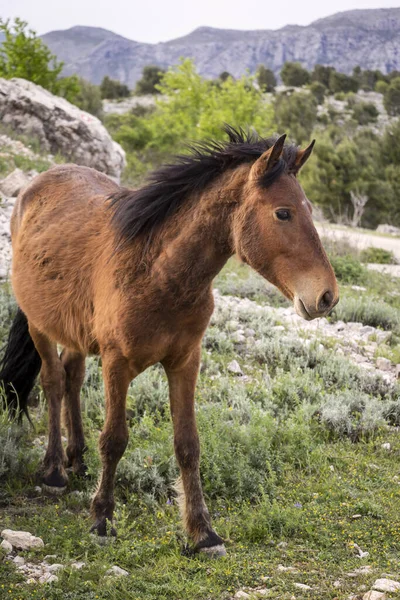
(369, 38)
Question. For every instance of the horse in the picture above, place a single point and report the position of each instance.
(100, 269)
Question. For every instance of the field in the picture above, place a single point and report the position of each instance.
(300, 460)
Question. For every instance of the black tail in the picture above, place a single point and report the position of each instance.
(19, 366)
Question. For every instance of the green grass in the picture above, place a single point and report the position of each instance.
(290, 454)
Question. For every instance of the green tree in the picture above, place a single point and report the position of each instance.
(391, 98)
(88, 98)
(23, 54)
(340, 82)
(381, 86)
(365, 113)
(113, 89)
(265, 79)
(296, 115)
(321, 73)
(150, 81)
(293, 74)
(224, 76)
(318, 90)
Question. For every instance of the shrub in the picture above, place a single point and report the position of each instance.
(293, 74)
(296, 114)
(265, 79)
(319, 91)
(391, 98)
(150, 81)
(365, 113)
(339, 82)
(113, 89)
(369, 311)
(381, 86)
(378, 256)
(348, 269)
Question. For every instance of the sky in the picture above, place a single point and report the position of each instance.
(161, 20)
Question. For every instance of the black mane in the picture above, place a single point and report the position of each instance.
(142, 211)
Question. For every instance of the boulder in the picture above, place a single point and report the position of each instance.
(14, 183)
(117, 572)
(59, 126)
(22, 540)
(386, 585)
(384, 228)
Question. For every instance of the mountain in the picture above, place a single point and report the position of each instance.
(369, 38)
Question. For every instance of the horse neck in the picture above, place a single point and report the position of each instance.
(199, 241)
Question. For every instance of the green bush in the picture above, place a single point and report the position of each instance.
(293, 74)
(365, 113)
(378, 256)
(348, 269)
(113, 89)
(391, 98)
(319, 91)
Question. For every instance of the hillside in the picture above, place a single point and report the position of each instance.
(369, 38)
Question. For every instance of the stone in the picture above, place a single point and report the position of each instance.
(398, 371)
(386, 446)
(14, 183)
(59, 126)
(284, 569)
(78, 565)
(22, 540)
(19, 560)
(391, 229)
(117, 572)
(386, 585)
(383, 364)
(48, 578)
(234, 367)
(382, 336)
(54, 568)
(373, 595)
(5, 544)
(242, 594)
(302, 586)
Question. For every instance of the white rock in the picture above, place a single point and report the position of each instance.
(60, 126)
(398, 371)
(302, 586)
(78, 565)
(19, 560)
(242, 594)
(386, 585)
(386, 446)
(287, 569)
(373, 595)
(48, 578)
(383, 364)
(22, 540)
(117, 572)
(5, 544)
(234, 367)
(54, 568)
(14, 183)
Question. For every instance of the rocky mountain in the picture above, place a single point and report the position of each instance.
(369, 38)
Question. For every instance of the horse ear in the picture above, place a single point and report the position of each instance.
(302, 157)
(268, 159)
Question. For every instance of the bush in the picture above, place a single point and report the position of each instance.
(150, 81)
(391, 98)
(348, 269)
(339, 82)
(319, 91)
(296, 114)
(369, 311)
(293, 74)
(113, 89)
(378, 256)
(381, 86)
(88, 98)
(365, 113)
(265, 79)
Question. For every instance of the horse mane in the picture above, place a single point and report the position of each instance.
(142, 211)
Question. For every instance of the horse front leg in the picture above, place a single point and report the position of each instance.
(113, 439)
(182, 382)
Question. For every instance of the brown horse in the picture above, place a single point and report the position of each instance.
(128, 275)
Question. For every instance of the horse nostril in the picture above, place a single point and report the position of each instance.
(325, 301)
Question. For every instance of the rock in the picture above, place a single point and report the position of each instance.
(48, 578)
(383, 364)
(284, 569)
(373, 595)
(302, 586)
(22, 540)
(234, 367)
(382, 336)
(386, 446)
(54, 568)
(398, 371)
(38, 489)
(78, 565)
(6, 546)
(238, 338)
(391, 229)
(14, 183)
(19, 560)
(242, 594)
(117, 572)
(49, 557)
(386, 585)
(60, 126)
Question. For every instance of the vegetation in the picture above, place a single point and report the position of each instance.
(266, 79)
(151, 79)
(293, 73)
(113, 89)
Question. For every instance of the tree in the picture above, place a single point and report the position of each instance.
(391, 98)
(296, 115)
(365, 113)
(151, 79)
(340, 82)
(321, 73)
(224, 76)
(358, 201)
(24, 55)
(318, 90)
(293, 74)
(265, 79)
(88, 98)
(113, 89)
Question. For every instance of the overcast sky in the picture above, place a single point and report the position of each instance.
(161, 20)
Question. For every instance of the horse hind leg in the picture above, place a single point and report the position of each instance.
(52, 377)
(74, 366)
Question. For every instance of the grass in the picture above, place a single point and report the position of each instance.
(290, 453)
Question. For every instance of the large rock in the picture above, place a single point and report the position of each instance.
(14, 183)
(22, 540)
(60, 126)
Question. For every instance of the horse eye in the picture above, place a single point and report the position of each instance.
(283, 215)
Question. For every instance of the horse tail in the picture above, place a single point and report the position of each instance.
(19, 367)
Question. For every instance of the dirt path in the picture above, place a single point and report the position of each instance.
(360, 239)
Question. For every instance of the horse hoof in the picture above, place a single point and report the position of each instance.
(100, 528)
(55, 480)
(214, 551)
